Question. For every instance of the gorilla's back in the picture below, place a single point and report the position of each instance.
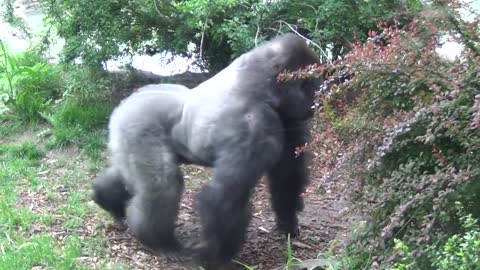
(147, 110)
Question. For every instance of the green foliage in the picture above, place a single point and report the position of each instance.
(7, 14)
(245, 266)
(459, 251)
(94, 146)
(87, 84)
(220, 29)
(74, 121)
(406, 261)
(73, 99)
(28, 84)
(85, 115)
(23, 211)
(28, 151)
(7, 128)
(419, 119)
(290, 258)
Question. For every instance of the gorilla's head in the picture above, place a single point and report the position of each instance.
(293, 99)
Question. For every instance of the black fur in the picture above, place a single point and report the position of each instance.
(111, 193)
(285, 193)
(242, 122)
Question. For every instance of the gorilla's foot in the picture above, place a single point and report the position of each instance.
(207, 257)
(177, 253)
(289, 228)
(162, 244)
(119, 225)
(183, 255)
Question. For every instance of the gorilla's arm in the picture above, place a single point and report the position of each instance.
(241, 161)
(111, 192)
(288, 178)
(223, 204)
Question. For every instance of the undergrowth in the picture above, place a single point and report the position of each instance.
(77, 122)
(28, 84)
(71, 104)
(417, 118)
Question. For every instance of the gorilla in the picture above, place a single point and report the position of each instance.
(243, 122)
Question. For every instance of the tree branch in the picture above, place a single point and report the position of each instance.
(305, 38)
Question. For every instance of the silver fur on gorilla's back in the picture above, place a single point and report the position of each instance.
(242, 122)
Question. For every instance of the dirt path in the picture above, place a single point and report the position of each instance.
(265, 248)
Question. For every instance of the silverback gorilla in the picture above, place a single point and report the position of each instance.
(242, 122)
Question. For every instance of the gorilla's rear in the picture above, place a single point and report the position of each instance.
(242, 122)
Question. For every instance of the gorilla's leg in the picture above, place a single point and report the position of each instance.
(223, 204)
(158, 181)
(224, 214)
(287, 180)
(110, 192)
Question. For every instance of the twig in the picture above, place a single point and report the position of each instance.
(305, 38)
(114, 238)
(186, 206)
(256, 35)
(466, 38)
(203, 35)
(258, 29)
(310, 6)
(157, 9)
(301, 245)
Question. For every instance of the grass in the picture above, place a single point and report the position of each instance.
(47, 220)
(44, 206)
(75, 122)
(41, 251)
(8, 128)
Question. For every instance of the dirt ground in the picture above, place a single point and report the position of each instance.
(323, 226)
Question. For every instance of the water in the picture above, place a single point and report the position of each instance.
(14, 39)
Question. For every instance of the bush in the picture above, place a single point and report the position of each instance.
(73, 120)
(419, 117)
(86, 84)
(75, 100)
(460, 251)
(24, 151)
(28, 84)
